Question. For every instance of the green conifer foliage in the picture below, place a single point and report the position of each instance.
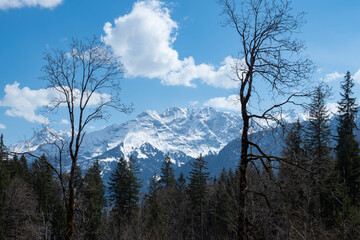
(167, 176)
(318, 131)
(225, 205)
(197, 190)
(3, 149)
(181, 183)
(124, 189)
(347, 149)
(93, 201)
(4, 181)
(49, 198)
(323, 181)
(24, 167)
(154, 211)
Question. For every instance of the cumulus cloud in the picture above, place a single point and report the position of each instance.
(24, 102)
(225, 103)
(7, 4)
(333, 76)
(144, 40)
(2, 126)
(357, 76)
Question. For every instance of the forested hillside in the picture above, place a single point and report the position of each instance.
(310, 192)
(179, 120)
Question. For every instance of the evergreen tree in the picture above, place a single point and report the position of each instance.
(49, 198)
(318, 134)
(167, 176)
(4, 181)
(225, 206)
(124, 190)
(293, 149)
(318, 139)
(15, 166)
(347, 149)
(154, 211)
(294, 183)
(181, 183)
(197, 190)
(3, 149)
(167, 198)
(24, 167)
(93, 201)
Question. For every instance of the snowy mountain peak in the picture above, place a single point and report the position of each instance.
(191, 132)
(173, 113)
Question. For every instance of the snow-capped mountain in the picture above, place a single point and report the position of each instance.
(204, 130)
(149, 137)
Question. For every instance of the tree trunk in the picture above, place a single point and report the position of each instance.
(71, 204)
(242, 228)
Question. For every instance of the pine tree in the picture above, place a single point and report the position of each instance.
(294, 182)
(347, 149)
(124, 188)
(134, 180)
(167, 176)
(93, 201)
(168, 195)
(318, 139)
(225, 205)
(154, 211)
(318, 134)
(3, 149)
(181, 183)
(24, 167)
(294, 149)
(15, 166)
(4, 181)
(197, 190)
(50, 199)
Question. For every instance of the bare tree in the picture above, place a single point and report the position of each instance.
(85, 80)
(270, 56)
(22, 218)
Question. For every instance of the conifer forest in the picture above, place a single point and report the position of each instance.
(308, 189)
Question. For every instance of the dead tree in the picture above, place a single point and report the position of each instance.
(85, 79)
(269, 55)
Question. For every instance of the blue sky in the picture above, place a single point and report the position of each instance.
(180, 52)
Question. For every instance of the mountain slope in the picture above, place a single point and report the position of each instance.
(182, 132)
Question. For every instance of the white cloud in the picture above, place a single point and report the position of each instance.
(144, 40)
(193, 103)
(23, 102)
(64, 121)
(2, 126)
(229, 103)
(333, 76)
(357, 76)
(7, 4)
